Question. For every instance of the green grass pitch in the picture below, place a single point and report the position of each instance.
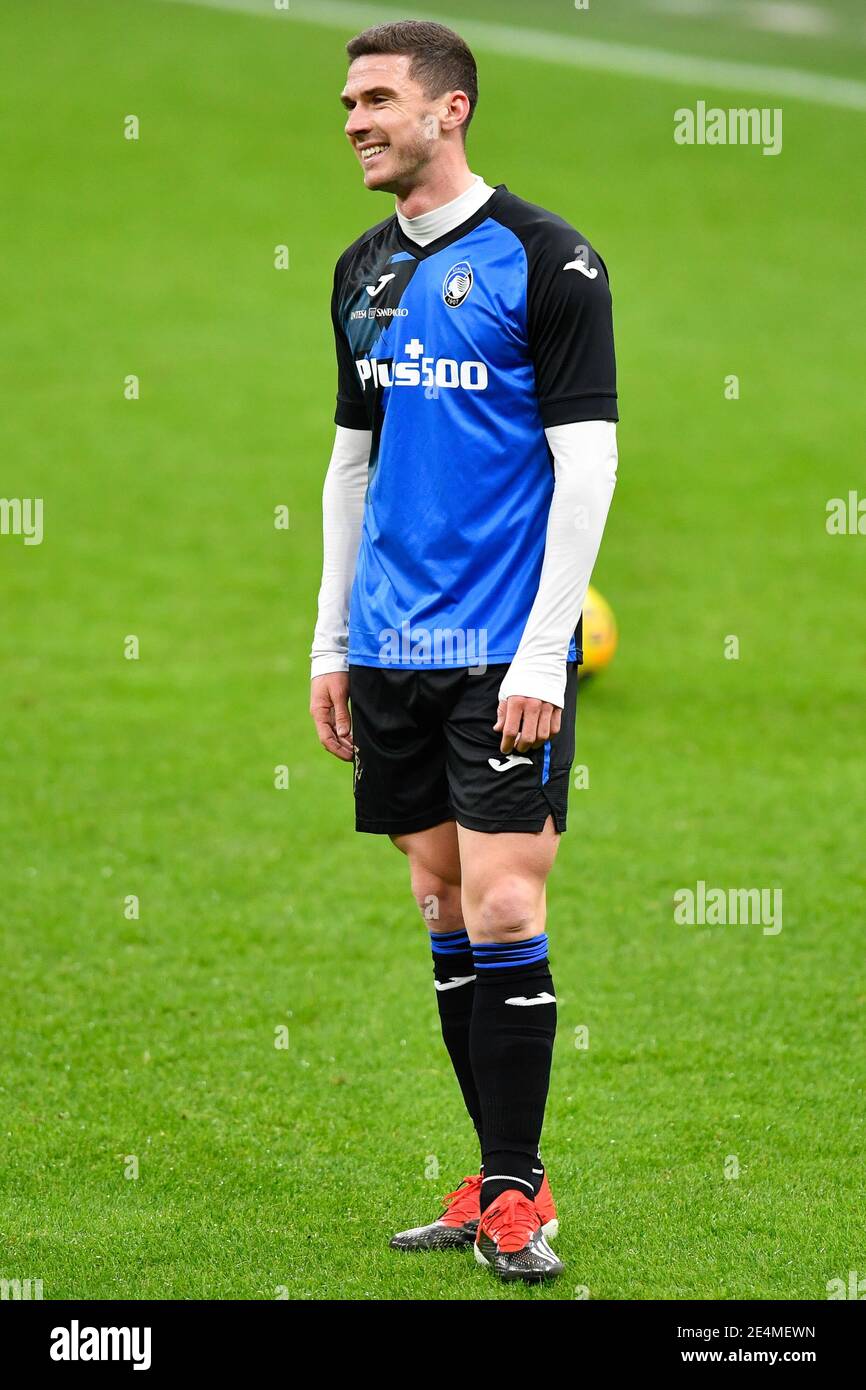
(263, 1169)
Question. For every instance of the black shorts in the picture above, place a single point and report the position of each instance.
(425, 752)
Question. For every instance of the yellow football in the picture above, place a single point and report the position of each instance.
(599, 633)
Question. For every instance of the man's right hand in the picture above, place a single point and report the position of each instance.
(329, 706)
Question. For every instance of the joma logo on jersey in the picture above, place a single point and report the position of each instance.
(441, 373)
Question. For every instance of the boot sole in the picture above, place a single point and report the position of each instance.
(513, 1277)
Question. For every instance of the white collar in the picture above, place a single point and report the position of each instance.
(428, 226)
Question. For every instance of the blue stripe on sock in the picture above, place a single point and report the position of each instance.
(450, 943)
(495, 955)
(486, 947)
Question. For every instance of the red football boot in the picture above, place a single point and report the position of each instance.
(458, 1223)
(511, 1241)
(547, 1210)
(455, 1228)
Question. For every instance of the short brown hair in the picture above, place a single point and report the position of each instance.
(441, 61)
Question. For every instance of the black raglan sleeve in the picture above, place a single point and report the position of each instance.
(350, 410)
(570, 328)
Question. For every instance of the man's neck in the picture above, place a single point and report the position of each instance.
(444, 188)
(428, 227)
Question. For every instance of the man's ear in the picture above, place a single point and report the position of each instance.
(454, 111)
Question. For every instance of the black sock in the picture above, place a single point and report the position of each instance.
(453, 963)
(511, 1046)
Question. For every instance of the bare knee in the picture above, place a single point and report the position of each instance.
(510, 908)
(434, 868)
(438, 900)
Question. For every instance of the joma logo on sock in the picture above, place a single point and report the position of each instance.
(77, 1343)
(719, 907)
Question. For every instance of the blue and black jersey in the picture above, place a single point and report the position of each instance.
(457, 355)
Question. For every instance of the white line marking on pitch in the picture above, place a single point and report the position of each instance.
(777, 16)
(564, 50)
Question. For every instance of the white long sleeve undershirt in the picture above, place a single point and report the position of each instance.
(585, 462)
(342, 515)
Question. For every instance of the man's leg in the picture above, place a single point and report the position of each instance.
(514, 1008)
(434, 866)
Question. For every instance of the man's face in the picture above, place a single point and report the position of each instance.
(391, 124)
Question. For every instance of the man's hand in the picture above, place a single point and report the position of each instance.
(525, 723)
(329, 706)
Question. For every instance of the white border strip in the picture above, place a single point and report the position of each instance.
(563, 49)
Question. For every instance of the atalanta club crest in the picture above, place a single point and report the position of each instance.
(457, 284)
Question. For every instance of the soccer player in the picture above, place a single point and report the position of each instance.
(468, 489)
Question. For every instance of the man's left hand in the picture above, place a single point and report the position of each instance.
(526, 723)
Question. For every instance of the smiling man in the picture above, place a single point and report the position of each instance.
(468, 489)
